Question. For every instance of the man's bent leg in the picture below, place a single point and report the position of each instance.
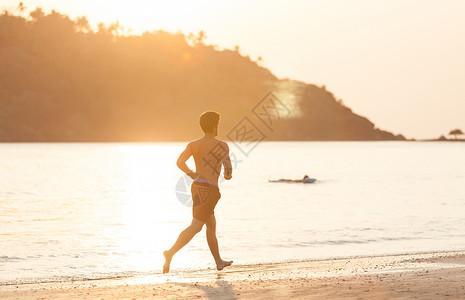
(211, 238)
(183, 239)
(213, 243)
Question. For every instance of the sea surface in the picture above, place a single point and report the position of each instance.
(73, 211)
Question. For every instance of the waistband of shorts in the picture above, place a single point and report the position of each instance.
(204, 182)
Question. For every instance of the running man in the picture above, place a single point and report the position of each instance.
(209, 155)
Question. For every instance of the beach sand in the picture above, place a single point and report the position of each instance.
(419, 276)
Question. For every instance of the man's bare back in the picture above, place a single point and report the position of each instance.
(209, 155)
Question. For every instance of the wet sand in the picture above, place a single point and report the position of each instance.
(419, 276)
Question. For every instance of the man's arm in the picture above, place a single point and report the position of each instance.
(227, 163)
(181, 163)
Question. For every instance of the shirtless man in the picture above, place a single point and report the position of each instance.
(209, 155)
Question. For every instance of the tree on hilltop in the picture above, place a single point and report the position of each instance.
(456, 132)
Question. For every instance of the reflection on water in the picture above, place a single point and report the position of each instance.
(97, 210)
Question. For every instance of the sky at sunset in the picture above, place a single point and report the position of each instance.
(401, 63)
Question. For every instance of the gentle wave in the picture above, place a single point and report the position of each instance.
(5, 258)
(344, 242)
(86, 277)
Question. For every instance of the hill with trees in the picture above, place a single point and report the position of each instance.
(62, 81)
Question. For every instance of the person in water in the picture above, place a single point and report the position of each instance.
(306, 179)
(210, 154)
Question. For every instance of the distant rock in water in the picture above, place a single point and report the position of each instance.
(61, 81)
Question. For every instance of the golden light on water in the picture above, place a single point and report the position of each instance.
(147, 229)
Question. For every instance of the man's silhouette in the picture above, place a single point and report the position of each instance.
(209, 155)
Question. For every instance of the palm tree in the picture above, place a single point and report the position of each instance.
(200, 38)
(21, 7)
(115, 29)
(82, 24)
(456, 132)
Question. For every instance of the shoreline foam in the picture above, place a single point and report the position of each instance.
(128, 275)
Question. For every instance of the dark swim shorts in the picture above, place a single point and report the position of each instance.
(205, 197)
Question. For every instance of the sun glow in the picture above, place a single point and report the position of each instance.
(146, 231)
(140, 16)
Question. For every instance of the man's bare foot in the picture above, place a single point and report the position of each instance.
(166, 266)
(220, 266)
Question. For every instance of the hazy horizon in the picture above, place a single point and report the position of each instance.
(398, 63)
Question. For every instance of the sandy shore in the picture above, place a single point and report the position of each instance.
(419, 276)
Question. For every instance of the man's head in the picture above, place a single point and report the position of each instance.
(209, 122)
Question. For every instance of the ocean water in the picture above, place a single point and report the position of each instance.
(90, 210)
